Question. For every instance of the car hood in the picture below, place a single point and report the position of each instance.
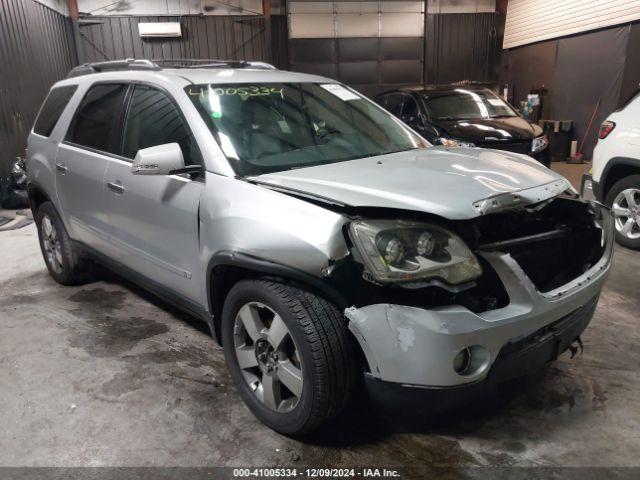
(503, 129)
(455, 183)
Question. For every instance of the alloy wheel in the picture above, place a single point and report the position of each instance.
(52, 245)
(268, 357)
(626, 209)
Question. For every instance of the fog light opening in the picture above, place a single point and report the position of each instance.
(462, 362)
(471, 360)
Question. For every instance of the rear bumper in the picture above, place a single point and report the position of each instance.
(523, 357)
(416, 346)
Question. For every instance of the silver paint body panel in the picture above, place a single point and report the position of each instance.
(442, 181)
(417, 346)
(168, 228)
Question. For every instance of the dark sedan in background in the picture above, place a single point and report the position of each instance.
(466, 115)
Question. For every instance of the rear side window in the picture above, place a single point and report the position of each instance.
(153, 119)
(409, 108)
(394, 104)
(97, 116)
(52, 108)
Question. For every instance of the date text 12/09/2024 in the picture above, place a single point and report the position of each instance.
(315, 473)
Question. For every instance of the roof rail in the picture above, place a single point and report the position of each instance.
(210, 63)
(158, 64)
(114, 65)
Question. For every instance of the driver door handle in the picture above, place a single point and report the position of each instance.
(115, 187)
(61, 168)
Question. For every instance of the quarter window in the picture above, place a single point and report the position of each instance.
(94, 125)
(153, 119)
(53, 107)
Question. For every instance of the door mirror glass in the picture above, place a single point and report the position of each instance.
(159, 160)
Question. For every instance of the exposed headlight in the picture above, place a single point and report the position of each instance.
(539, 143)
(396, 251)
(450, 142)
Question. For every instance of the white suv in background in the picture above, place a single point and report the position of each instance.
(615, 173)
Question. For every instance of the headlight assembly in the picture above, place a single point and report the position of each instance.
(450, 142)
(396, 251)
(539, 143)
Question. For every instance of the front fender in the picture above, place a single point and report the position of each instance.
(261, 229)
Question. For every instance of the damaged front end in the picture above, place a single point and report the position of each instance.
(542, 268)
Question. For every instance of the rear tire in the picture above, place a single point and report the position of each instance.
(60, 254)
(624, 199)
(257, 314)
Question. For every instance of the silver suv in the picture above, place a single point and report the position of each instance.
(320, 238)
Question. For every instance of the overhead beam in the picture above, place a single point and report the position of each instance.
(77, 40)
(266, 12)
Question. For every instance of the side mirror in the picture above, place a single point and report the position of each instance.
(159, 160)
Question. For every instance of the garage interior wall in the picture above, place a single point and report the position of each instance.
(370, 45)
(578, 71)
(38, 47)
(462, 46)
(112, 37)
(583, 52)
(36, 50)
(169, 7)
(379, 45)
(530, 21)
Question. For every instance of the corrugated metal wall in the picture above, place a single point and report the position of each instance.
(237, 37)
(35, 51)
(170, 7)
(530, 21)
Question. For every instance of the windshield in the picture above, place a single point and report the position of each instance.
(462, 104)
(272, 127)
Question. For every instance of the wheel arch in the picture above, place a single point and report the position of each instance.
(227, 268)
(616, 169)
(37, 196)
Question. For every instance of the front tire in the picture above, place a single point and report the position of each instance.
(289, 353)
(624, 200)
(60, 254)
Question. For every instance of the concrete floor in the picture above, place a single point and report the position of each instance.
(106, 375)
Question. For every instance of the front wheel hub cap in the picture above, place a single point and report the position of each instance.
(51, 244)
(268, 357)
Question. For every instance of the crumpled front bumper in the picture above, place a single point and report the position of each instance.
(416, 346)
